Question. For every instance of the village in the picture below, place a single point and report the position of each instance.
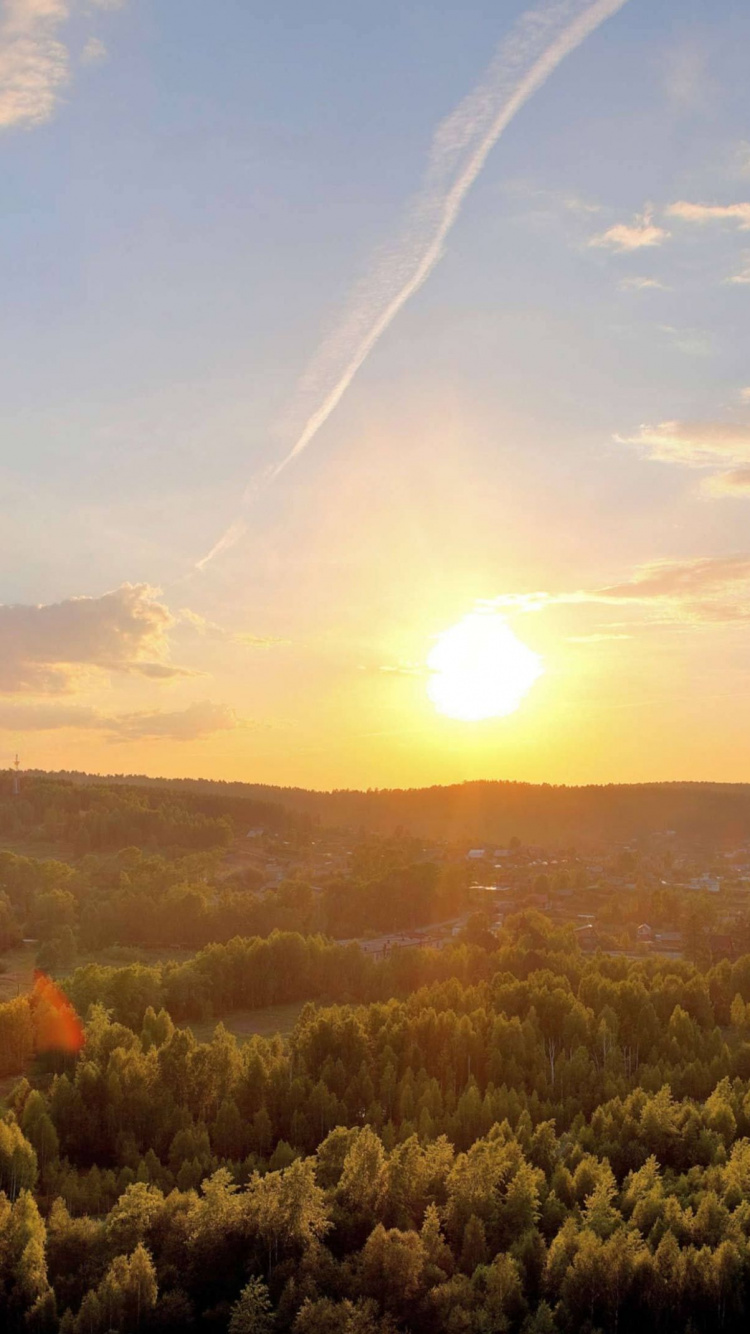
(659, 895)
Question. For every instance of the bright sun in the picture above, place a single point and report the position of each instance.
(479, 669)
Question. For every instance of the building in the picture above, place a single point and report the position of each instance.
(709, 884)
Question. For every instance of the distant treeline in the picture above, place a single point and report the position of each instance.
(103, 817)
(712, 813)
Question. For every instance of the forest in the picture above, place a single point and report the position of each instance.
(509, 1133)
(535, 812)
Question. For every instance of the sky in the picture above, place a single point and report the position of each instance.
(204, 210)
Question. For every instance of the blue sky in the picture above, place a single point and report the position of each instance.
(184, 220)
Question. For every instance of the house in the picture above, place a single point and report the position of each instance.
(722, 946)
(710, 884)
(587, 937)
(540, 901)
(668, 940)
(475, 854)
(644, 932)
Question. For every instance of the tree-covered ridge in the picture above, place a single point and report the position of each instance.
(544, 813)
(522, 1139)
(104, 817)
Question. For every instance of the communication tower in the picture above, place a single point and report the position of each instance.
(16, 777)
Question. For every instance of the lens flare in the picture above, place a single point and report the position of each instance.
(480, 669)
(57, 1025)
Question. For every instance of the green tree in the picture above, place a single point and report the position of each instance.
(18, 1161)
(252, 1313)
(474, 1245)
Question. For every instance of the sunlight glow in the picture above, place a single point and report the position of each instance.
(480, 669)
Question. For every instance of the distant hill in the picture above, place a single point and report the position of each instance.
(713, 813)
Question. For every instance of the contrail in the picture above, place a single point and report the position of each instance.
(536, 45)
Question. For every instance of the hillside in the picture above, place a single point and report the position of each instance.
(497, 811)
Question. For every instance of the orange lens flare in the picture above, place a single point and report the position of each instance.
(56, 1023)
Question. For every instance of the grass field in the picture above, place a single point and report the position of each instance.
(245, 1024)
(20, 963)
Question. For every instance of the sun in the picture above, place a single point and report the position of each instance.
(480, 669)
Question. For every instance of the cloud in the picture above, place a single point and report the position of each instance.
(705, 589)
(624, 237)
(703, 213)
(686, 82)
(735, 482)
(638, 284)
(46, 717)
(94, 52)
(401, 669)
(679, 580)
(211, 630)
(602, 638)
(693, 444)
(198, 720)
(743, 276)
(576, 204)
(545, 202)
(46, 647)
(693, 342)
(536, 45)
(190, 724)
(745, 394)
(33, 62)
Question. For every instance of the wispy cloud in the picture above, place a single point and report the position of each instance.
(693, 444)
(742, 276)
(402, 669)
(640, 284)
(94, 52)
(193, 723)
(537, 44)
(46, 647)
(545, 202)
(190, 724)
(460, 148)
(600, 638)
(575, 204)
(640, 234)
(734, 482)
(211, 630)
(693, 342)
(703, 590)
(686, 81)
(704, 213)
(680, 580)
(706, 445)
